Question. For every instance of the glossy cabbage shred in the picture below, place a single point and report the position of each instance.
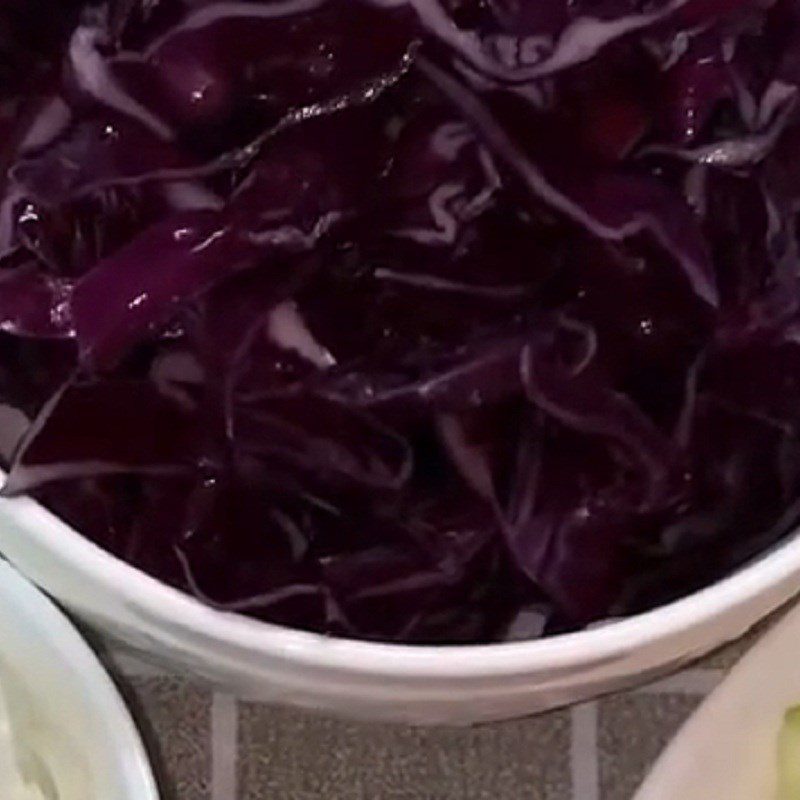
(405, 320)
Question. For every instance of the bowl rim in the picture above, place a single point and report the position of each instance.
(81, 674)
(714, 731)
(159, 601)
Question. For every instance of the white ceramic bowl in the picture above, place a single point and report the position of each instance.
(456, 684)
(68, 696)
(728, 750)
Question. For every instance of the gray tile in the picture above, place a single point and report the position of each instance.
(300, 756)
(175, 719)
(633, 729)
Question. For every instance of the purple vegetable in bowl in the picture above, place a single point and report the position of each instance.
(407, 320)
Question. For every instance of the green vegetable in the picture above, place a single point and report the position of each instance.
(789, 756)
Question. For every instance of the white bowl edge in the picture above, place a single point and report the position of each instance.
(315, 670)
(57, 666)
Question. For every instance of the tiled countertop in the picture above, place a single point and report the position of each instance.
(209, 746)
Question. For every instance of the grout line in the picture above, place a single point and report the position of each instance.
(224, 746)
(691, 681)
(584, 761)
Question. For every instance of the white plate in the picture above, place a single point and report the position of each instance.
(728, 748)
(50, 663)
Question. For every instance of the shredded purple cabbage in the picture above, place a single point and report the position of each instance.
(406, 320)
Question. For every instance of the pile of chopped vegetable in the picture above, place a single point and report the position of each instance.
(412, 320)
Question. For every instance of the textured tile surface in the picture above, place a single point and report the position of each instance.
(209, 747)
(632, 731)
(300, 756)
(174, 717)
